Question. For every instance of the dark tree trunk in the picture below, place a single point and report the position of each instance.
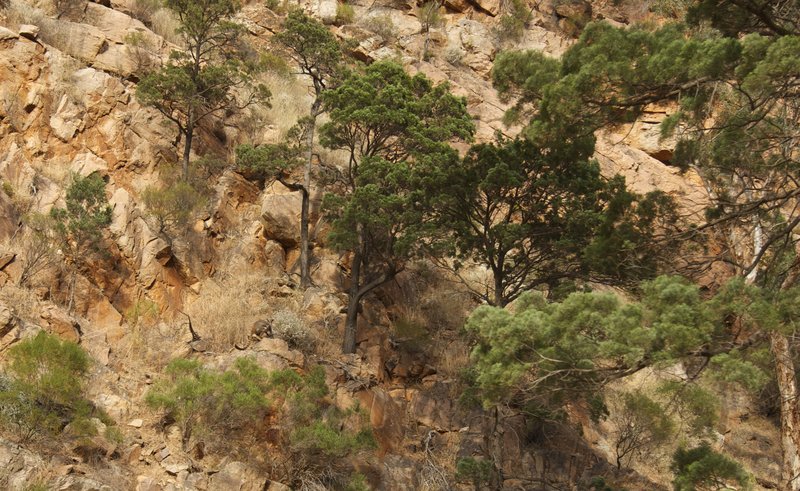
(305, 272)
(187, 148)
(354, 299)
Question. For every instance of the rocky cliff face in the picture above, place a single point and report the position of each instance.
(67, 105)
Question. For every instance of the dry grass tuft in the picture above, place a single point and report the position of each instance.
(225, 309)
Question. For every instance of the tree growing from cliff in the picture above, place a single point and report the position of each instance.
(212, 74)
(746, 78)
(396, 130)
(318, 56)
(536, 216)
(79, 226)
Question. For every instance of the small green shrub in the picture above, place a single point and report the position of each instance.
(227, 405)
(8, 189)
(200, 400)
(703, 468)
(477, 471)
(641, 423)
(42, 391)
(382, 25)
(514, 21)
(358, 482)
(173, 206)
(141, 312)
(87, 213)
(344, 14)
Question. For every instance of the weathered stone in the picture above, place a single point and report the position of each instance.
(79, 483)
(6, 35)
(29, 31)
(114, 405)
(280, 214)
(147, 483)
(174, 465)
(18, 466)
(385, 417)
(280, 348)
(237, 476)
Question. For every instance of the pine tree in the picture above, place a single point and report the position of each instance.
(202, 79)
(396, 130)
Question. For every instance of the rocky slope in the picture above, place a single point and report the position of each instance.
(67, 105)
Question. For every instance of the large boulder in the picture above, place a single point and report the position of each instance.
(18, 466)
(280, 214)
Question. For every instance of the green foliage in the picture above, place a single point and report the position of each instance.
(320, 435)
(344, 14)
(209, 402)
(537, 215)
(382, 25)
(87, 213)
(698, 407)
(312, 46)
(396, 129)
(701, 468)
(267, 161)
(43, 388)
(429, 15)
(735, 18)
(479, 472)
(202, 80)
(7, 188)
(514, 21)
(141, 311)
(358, 482)
(641, 424)
(173, 206)
(233, 404)
(588, 339)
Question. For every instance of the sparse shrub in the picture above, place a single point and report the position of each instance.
(276, 64)
(277, 6)
(290, 327)
(477, 471)
(701, 468)
(344, 14)
(70, 9)
(358, 482)
(453, 55)
(320, 434)
(42, 391)
(144, 9)
(8, 189)
(165, 23)
(141, 51)
(173, 206)
(382, 25)
(640, 424)
(36, 251)
(514, 21)
(142, 312)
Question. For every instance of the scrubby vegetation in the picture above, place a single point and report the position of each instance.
(42, 390)
(248, 403)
